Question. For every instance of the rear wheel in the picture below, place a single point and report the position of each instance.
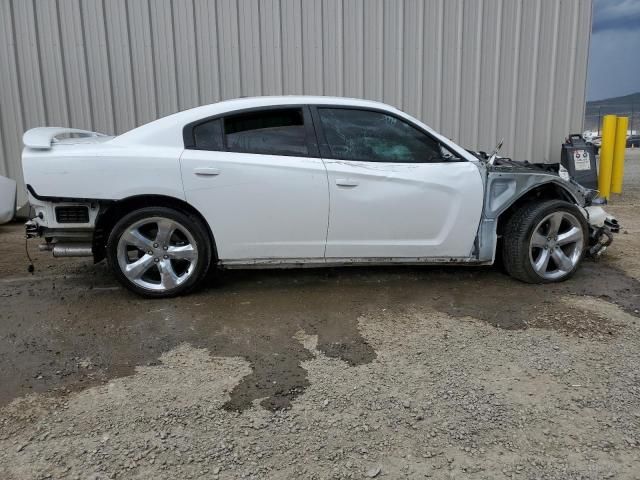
(544, 242)
(159, 251)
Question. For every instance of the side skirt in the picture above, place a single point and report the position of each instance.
(345, 262)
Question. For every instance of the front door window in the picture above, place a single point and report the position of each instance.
(366, 135)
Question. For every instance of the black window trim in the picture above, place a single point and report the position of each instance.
(325, 151)
(310, 131)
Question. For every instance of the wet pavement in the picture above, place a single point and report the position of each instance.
(63, 331)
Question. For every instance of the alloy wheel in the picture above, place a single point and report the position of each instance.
(157, 253)
(556, 245)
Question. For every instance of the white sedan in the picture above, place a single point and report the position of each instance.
(8, 194)
(298, 181)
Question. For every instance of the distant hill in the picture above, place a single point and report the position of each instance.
(633, 98)
(626, 105)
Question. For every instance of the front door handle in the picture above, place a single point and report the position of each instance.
(206, 171)
(346, 182)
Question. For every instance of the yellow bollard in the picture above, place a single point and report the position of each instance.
(617, 170)
(606, 155)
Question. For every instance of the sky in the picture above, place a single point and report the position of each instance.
(614, 55)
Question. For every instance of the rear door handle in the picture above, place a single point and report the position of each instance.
(206, 171)
(346, 182)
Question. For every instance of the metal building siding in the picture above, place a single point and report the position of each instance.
(476, 70)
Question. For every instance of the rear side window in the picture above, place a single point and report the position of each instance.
(208, 135)
(371, 136)
(270, 132)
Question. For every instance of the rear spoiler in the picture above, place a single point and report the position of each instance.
(43, 137)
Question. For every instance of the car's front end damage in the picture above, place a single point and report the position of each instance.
(602, 226)
(510, 182)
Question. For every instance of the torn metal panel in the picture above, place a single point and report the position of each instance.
(505, 184)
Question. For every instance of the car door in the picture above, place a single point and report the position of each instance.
(394, 192)
(257, 179)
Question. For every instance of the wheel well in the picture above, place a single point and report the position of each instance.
(110, 213)
(548, 191)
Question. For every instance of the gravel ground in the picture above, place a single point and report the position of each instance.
(343, 373)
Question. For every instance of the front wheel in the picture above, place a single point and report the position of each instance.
(159, 251)
(545, 242)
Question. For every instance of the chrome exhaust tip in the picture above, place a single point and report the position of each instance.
(72, 250)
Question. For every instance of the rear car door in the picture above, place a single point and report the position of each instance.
(394, 191)
(256, 177)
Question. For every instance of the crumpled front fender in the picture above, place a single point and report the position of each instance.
(505, 187)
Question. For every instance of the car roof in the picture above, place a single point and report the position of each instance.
(248, 102)
(242, 103)
(163, 131)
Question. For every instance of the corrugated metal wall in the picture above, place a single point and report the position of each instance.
(476, 70)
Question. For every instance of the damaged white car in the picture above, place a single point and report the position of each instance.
(298, 181)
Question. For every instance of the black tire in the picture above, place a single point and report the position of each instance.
(192, 224)
(518, 233)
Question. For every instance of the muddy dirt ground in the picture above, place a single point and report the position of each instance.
(342, 373)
